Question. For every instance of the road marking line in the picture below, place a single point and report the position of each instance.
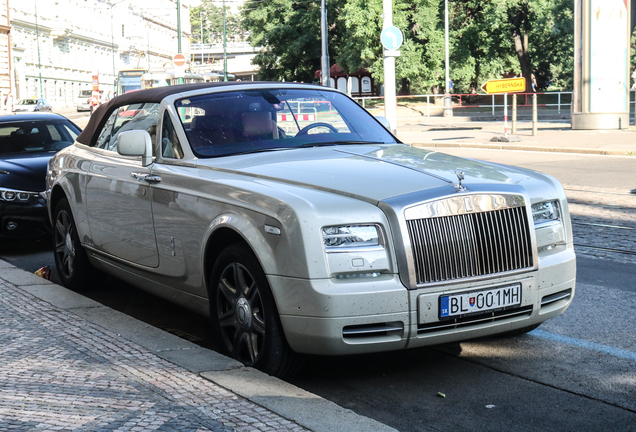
(617, 352)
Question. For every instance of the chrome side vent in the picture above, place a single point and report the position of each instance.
(553, 298)
(373, 330)
(469, 245)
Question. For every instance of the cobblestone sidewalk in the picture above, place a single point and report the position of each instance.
(59, 372)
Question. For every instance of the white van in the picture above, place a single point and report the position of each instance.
(82, 101)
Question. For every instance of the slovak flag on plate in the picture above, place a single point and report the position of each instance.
(472, 301)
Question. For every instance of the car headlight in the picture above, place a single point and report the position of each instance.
(16, 195)
(338, 238)
(546, 211)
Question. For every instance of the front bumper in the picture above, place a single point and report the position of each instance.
(28, 220)
(348, 317)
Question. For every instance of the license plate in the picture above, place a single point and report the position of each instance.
(476, 302)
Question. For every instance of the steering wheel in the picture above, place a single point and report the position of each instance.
(307, 128)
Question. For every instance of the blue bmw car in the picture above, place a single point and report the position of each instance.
(27, 142)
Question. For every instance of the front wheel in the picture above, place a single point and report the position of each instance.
(244, 318)
(71, 259)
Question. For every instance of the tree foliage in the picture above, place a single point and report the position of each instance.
(288, 31)
(212, 18)
(489, 39)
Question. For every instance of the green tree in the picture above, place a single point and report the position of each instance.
(212, 17)
(420, 66)
(489, 39)
(288, 32)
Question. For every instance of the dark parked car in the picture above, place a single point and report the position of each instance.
(27, 142)
(32, 105)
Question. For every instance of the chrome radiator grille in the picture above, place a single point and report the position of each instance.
(469, 245)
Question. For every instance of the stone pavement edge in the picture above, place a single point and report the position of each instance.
(68, 363)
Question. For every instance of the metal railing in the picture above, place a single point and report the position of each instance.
(219, 45)
(477, 102)
(562, 101)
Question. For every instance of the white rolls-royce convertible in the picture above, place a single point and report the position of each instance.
(294, 220)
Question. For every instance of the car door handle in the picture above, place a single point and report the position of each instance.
(144, 177)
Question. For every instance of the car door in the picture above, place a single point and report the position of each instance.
(118, 192)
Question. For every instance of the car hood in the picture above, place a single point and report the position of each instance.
(374, 172)
(24, 108)
(26, 172)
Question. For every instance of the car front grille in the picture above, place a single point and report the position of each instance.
(470, 244)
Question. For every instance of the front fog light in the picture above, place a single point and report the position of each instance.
(348, 236)
(545, 212)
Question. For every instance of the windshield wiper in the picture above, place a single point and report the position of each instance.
(333, 143)
(263, 150)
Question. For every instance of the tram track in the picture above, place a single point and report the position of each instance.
(604, 249)
(629, 194)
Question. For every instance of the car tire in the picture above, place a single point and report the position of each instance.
(71, 260)
(245, 321)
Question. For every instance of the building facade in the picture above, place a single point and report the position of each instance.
(58, 45)
(5, 49)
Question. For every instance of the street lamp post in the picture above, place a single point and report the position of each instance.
(179, 32)
(224, 46)
(324, 69)
(112, 43)
(448, 103)
(201, 21)
(37, 36)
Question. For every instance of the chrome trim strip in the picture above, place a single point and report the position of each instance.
(442, 325)
(371, 330)
(556, 297)
(457, 205)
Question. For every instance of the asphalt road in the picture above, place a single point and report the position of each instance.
(577, 372)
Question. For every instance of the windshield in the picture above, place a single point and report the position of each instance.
(36, 136)
(247, 121)
(28, 102)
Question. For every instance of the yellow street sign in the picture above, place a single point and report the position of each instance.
(510, 85)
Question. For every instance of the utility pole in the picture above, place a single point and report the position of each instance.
(224, 46)
(37, 36)
(324, 60)
(179, 32)
(391, 39)
(448, 103)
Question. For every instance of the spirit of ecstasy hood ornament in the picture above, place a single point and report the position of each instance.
(459, 186)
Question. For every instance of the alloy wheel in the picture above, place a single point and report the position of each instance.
(64, 245)
(240, 313)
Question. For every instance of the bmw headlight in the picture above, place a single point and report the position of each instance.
(11, 195)
(546, 211)
(339, 238)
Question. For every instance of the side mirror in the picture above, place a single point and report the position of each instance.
(135, 143)
(384, 122)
